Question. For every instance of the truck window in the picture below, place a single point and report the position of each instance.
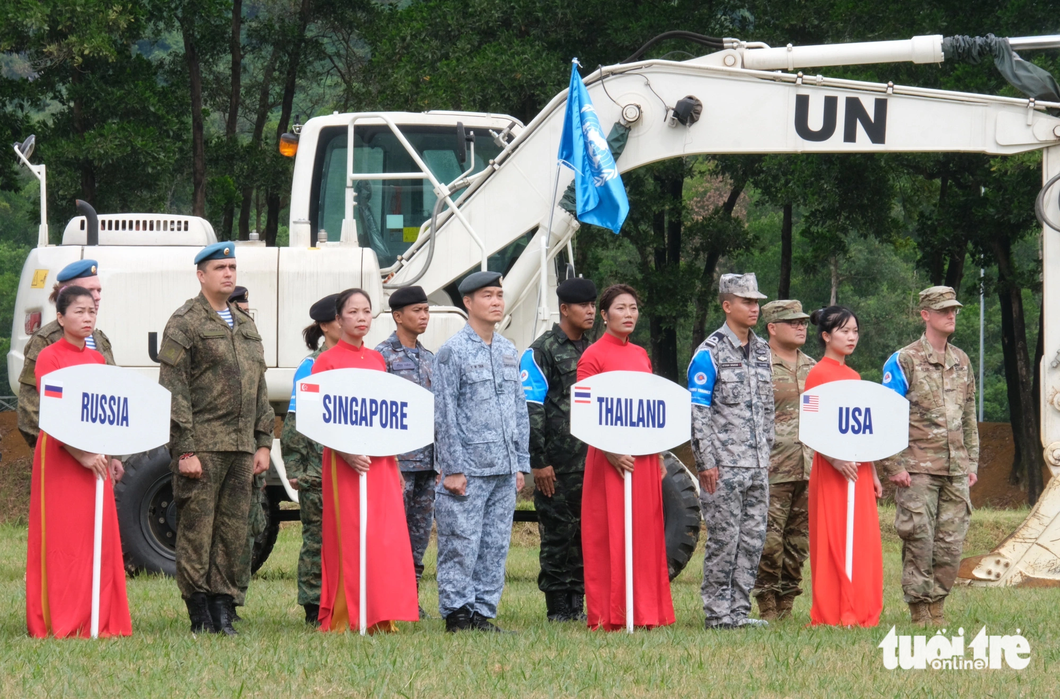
(389, 213)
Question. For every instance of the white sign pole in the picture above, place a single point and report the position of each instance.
(627, 482)
(97, 551)
(362, 603)
(850, 531)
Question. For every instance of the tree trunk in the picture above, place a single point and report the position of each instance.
(198, 145)
(955, 270)
(1015, 413)
(834, 265)
(88, 173)
(666, 226)
(784, 287)
(231, 123)
(255, 139)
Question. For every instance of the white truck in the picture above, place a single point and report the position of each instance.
(381, 200)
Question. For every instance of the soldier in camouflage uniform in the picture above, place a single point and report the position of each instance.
(731, 382)
(557, 460)
(83, 273)
(932, 476)
(303, 460)
(482, 435)
(788, 527)
(406, 357)
(213, 364)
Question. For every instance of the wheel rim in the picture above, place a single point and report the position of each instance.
(158, 518)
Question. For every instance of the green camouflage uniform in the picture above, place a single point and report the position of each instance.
(549, 369)
(788, 524)
(221, 413)
(933, 512)
(255, 528)
(303, 459)
(28, 398)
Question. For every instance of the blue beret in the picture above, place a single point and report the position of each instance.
(478, 280)
(225, 250)
(77, 270)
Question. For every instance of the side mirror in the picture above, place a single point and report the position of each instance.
(461, 143)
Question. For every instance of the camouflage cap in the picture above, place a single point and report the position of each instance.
(744, 285)
(938, 298)
(776, 311)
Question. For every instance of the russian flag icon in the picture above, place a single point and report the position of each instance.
(53, 390)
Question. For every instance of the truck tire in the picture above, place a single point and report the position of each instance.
(147, 515)
(681, 514)
(267, 539)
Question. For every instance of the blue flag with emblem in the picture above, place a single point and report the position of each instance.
(583, 148)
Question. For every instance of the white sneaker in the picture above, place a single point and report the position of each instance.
(748, 621)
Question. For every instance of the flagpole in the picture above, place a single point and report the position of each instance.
(362, 602)
(850, 531)
(627, 478)
(97, 551)
(542, 298)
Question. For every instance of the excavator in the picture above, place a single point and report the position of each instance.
(382, 200)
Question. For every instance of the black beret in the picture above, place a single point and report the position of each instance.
(576, 290)
(323, 311)
(478, 280)
(239, 295)
(407, 296)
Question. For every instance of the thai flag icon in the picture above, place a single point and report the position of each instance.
(582, 394)
(309, 388)
(53, 390)
(810, 404)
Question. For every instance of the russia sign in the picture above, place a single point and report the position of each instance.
(630, 412)
(360, 411)
(854, 420)
(104, 409)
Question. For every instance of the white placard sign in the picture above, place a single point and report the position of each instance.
(854, 420)
(361, 411)
(630, 412)
(104, 409)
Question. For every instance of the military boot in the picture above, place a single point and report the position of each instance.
(199, 613)
(767, 605)
(919, 613)
(556, 607)
(576, 605)
(938, 618)
(312, 614)
(784, 605)
(480, 622)
(221, 611)
(460, 620)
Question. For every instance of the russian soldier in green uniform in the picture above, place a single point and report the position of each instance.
(213, 364)
(933, 474)
(557, 460)
(788, 524)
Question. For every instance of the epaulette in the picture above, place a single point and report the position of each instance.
(243, 313)
(183, 310)
(714, 339)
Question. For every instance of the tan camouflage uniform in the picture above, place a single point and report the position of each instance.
(732, 429)
(221, 413)
(788, 528)
(28, 398)
(933, 512)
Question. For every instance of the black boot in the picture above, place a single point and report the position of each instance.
(482, 623)
(199, 613)
(460, 620)
(235, 614)
(312, 614)
(576, 606)
(556, 606)
(221, 611)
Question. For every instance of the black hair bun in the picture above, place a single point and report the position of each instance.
(815, 317)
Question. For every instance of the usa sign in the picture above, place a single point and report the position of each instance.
(104, 409)
(630, 412)
(854, 420)
(360, 411)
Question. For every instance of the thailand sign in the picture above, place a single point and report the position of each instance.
(630, 412)
(360, 411)
(104, 409)
(854, 420)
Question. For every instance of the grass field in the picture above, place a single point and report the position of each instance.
(277, 655)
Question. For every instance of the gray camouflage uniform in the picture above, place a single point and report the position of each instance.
(732, 429)
(481, 430)
(417, 466)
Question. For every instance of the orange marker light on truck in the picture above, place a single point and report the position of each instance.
(288, 144)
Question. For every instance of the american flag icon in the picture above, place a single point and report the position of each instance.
(810, 404)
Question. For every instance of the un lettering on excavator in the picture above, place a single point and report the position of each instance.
(856, 113)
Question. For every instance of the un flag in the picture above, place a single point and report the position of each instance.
(583, 148)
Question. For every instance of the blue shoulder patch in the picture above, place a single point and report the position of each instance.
(535, 386)
(701, 377)
(304, 369)
(894, 377)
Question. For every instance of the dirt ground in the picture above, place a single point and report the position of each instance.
(993, 489)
